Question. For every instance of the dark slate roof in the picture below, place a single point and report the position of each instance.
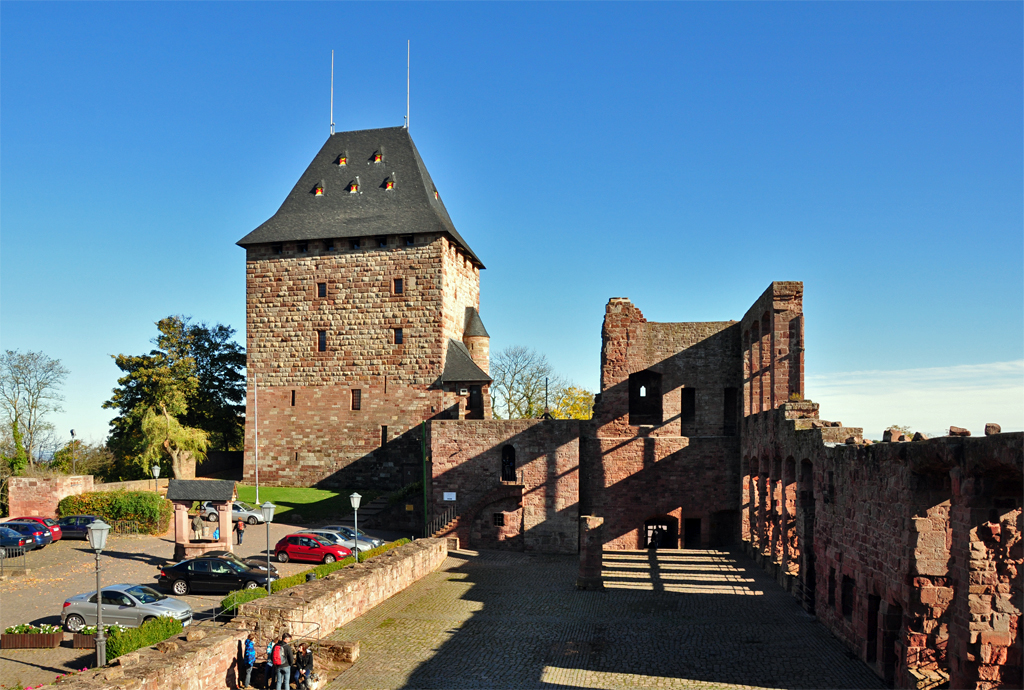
(409, 208)
(459, 366)
(200, 490)
(474, 326)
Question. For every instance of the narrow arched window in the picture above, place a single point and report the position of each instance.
(508, 464)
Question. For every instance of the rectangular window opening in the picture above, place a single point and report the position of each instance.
(831, 586)
(293, 398)
(354, 244)
(277, 248)
(499, 519)
(688, 410)
(399, 286)
(874, 604)
(847, 597)
(408, 240)
(321, 341)
(382, 241)
(303, 247)
(645, 398)
(329, 245)
(383, 435)
(399, 338)
(730, 413)
(321, 290)
(357, 399)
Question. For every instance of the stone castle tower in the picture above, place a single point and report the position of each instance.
(362, 320)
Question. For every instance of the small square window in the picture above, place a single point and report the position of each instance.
(398, 336)
(321, 341)
(408, 240)
(399, 286)
(354, 244)
(382, 241)
(357, 399)
(321, 290)
(276, 248)
(303, 247)
(499, 519)
(329, 245)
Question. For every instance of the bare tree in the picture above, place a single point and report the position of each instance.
(518, 386)
(30, 385)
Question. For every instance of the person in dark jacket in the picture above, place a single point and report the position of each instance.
(303, 670)
(284, 670)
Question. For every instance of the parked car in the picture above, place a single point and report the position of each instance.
(239, 511)
(339, 539)
(211, 575)
(41, 533)
(128, 605)
(14, 543)
(308, 547)
(76, 526)
(49, 523)
(258, 562)
(351, 534)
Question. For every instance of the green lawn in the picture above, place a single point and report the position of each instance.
(311, 504)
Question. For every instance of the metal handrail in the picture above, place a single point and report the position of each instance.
(441, 521)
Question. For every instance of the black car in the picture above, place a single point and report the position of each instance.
(210, 575)
(76, 526)
(258, 562)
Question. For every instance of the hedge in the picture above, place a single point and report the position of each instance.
(148, 634)
(147, 508)
(242, 596)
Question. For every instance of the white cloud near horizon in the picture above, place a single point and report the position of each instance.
(928, 400)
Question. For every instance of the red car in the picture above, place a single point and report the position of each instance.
(307, 547)
(49, 523)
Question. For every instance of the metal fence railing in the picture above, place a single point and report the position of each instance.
(128, 527)
(440, 521)
(12, 558)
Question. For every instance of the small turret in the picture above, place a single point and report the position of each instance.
(477, 340)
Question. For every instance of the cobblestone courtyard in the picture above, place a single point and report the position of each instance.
(692, 619)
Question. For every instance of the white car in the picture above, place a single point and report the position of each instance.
(366, 542)
(239, 511)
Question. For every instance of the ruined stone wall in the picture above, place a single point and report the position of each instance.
(36, 496)
(891, 545)
(540, 505)
(309, 433)
(773, 352)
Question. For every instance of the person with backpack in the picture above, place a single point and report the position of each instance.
(248, 659)
(283, 658)
(240, 528)
(268, 670)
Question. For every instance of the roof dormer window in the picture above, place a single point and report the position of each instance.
(378, 155)
(435, 194)
(319, 189)
(353, 186)
(342, 160)
(389, 183)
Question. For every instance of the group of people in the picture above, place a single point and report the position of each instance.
(285, 667)
(199, 528)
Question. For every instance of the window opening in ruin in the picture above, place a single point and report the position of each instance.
(892, 622)
(321, 341)
(645, 398)
(383, 435)
(277, 248)
(730, 412)
(874, 602)
(475, 407)
(398, 336)
(688, 411)
(831, 586)
(303, 247)
(847, 597)
(357, 399)
(508, 464)
(660, 533)
(399, 286)
(293, 398)
(382, 241)
(329, 245)
(409, 240)
(691, 533)
(354, 244)
(499, 519)
(321, 290)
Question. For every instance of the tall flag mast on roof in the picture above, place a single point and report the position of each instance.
(408, 49)
(332, 92)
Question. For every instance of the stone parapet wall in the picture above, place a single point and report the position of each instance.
(36, 496)
(209, 659)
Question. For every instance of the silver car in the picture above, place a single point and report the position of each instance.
(366, 542)
(127, 605)
(338, 539)
(239, 511)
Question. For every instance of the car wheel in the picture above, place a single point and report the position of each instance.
(282, 557)
(74, 623)
(251, 584)
(148, 619)
(328, 558)
(252, 520)
(179, 587)
(211, 517)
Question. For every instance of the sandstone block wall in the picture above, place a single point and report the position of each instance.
(773, 353)
(35, 496)
(539, 507)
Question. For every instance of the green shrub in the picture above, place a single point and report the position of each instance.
(147, 508)
(146, 635)
(232, 601)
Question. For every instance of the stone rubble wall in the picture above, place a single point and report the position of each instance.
(39, 496)
(206, 656)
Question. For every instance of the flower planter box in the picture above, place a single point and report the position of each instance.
(80, 641)
(30, 640)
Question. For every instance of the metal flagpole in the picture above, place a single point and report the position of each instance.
(256, 424)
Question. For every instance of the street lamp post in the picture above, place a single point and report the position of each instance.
(268, 517)
(156, 478)
(72, 451)
(354, 500)
(98, 531)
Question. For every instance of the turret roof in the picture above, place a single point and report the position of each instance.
(333, 200)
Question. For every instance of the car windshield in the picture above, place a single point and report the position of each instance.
(147, 595)
(236, 566)
(50, 522)
(245, 506)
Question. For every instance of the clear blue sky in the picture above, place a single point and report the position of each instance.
(681, 155)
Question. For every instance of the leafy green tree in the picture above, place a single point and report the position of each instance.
(572, 402)
(80, 457)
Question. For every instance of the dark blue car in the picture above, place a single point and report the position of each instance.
(41, 534)
(13, 543)
(76, 526)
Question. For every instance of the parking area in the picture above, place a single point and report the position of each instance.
(68, 567)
